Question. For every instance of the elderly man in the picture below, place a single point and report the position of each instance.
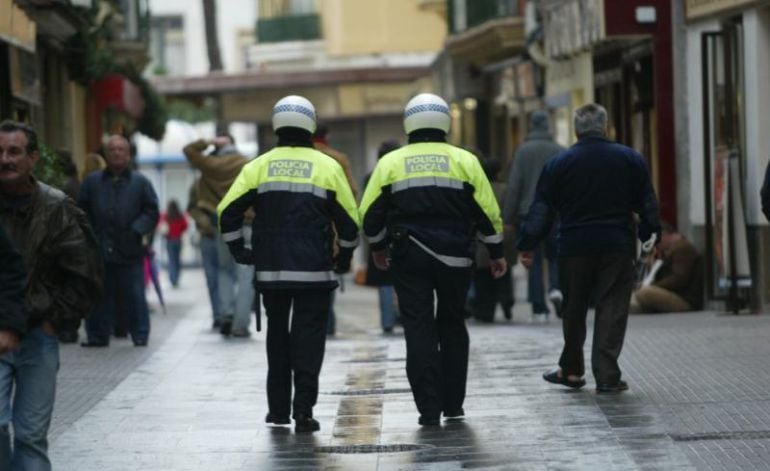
(123, 208)
(594, 186)
(64, 278)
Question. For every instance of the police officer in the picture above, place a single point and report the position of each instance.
(427, 202)
(299, 196)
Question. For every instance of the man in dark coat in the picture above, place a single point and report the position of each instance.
(123, 209)
(528, 163)
(13, 280)
(595, 187)
(64, 279)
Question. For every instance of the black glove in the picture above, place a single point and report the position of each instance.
(244, 256)
(342, 265)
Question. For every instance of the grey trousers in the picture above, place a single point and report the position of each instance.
(608, 281)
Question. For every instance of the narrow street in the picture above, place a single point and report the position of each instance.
(192, 400)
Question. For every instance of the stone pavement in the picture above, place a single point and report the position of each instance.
(699, 399)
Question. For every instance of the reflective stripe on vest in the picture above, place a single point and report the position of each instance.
(492, 239)
(348, 244)
(292, 187)
(457, 262)
(305, 276)
(376, 238)
(442, 182)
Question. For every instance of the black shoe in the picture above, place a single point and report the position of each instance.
(429, 421)
(140, 343)
(90, 344)
(226, 327)
(611, 387)
(507, 313)
(217, 323)
(553, 377)
(68, 336)
(455, 414)
(276, 419)
(305, 424)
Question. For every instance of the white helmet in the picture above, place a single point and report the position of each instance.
(426, 111)
(294, 111)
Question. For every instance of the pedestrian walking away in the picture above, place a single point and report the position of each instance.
(235, 290)
(422, 208)
(321, 143)
(595, 186)
(300, 198)
(381, 278)
(174, 225)
(488, 291)
(123, 209)
(64, 277)
(528, 163)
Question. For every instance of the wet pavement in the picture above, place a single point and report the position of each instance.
(698, 399)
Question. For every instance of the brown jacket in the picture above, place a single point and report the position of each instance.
(60, 254)
(218, 172)
(341, 159)
(682, 273)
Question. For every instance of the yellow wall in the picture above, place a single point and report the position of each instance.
(371, 26)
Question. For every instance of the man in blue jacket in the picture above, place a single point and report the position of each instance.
(123, 208)
(595, 187)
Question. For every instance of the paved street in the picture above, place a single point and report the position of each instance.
(699, 399)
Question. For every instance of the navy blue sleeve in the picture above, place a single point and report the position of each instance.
(645, 201)
(148, 218)
(765, 193)
(542, 212)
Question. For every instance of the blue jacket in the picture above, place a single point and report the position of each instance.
(595, 186)
(122, 209)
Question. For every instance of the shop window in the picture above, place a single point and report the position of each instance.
(724, 163)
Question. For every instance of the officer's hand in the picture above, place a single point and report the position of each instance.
(498, 267)
(380, 258)
(9, 340)
(526, 258)
(342, 266)
(244, 257)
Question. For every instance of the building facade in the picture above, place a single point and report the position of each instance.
(358, 62)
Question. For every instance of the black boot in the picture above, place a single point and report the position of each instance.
(305, 424)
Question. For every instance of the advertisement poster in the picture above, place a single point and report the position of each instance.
(728, 207)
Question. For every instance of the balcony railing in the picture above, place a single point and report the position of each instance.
(464, 14)
(289, 28)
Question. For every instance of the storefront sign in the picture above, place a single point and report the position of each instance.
(573, 25)
(699, 8)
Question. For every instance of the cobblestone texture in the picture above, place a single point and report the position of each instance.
(196, 401)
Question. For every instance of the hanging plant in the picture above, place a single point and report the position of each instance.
(49, 168)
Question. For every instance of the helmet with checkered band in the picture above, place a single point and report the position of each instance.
(426, 111)
(294, 111)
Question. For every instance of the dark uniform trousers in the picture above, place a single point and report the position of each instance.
(436, 344)
(607, 279)
(297, 348)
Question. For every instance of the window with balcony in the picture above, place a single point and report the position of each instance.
(167, 45)
(287, 20)
(465, 14)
